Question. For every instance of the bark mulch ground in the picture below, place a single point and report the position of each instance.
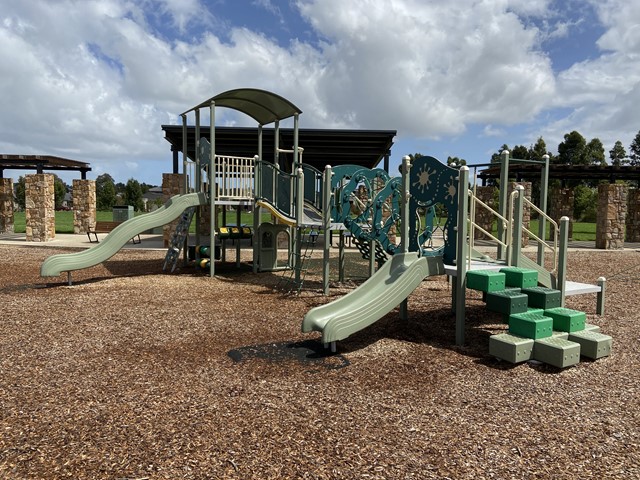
(131, 373)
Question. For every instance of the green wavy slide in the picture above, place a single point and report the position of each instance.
(112, 243)
(372, 300)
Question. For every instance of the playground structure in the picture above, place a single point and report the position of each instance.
(301, 199)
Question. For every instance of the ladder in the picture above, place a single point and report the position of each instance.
(177, 239)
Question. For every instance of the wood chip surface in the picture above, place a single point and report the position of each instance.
(130, 374)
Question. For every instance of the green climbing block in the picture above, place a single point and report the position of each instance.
(511, 348)
(484, 294)
(592, 344)
(566, 320)
(558, 352)
(520, 277)
(588, 327)
(543, 297)
(505, 318)
(530, 325)
(485, 280)
(507, 301)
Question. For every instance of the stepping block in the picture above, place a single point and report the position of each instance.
(520, 277)
(485, 280)
(507, 301)
(566, 320)
(510, 348)
(563, 335)
(588, 327)
(530, 325)
(593, 345)
(558, 352)
(540, 311)
(543, 297)
(484, 294)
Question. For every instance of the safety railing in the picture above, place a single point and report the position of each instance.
(234, 177)
(474, 203)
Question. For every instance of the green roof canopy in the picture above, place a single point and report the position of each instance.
(264, 107)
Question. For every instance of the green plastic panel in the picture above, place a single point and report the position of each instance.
(485, 280)
(592, 344)
(531, 325)
(558, 352)
(507, 301)
(511, 348)
(543, 297)
(566, 320)
(520, 277)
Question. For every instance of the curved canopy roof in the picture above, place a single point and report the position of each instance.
(264, 107)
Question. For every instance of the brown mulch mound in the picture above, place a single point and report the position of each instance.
(131, 373)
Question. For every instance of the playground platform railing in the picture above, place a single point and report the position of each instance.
(507, 222)
(234, 177)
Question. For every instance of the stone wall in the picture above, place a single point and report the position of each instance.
(6, 205)
(40, 212)
(560, 204)
(611, 215)
(484, 218)
(172, 184)
(633, 215)
(84, 205)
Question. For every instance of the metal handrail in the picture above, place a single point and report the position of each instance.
(506, 222)
(553, 247)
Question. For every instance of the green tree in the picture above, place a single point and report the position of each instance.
(495, 158)
(572, 150)
(538, 150)
(59, 191)
(21, 192)
(133, 195)
(520, 152)
(618, 155)
(456, 162)
(105, 192)
(585, 203)
(594, 153)
(634, 150)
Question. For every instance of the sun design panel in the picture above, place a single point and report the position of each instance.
(433, 184)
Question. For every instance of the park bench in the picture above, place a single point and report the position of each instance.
(107, 227)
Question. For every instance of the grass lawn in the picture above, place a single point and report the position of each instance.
(64, 220)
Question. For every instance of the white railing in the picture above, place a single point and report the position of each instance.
(551, 246)
(506, 225)
(234, 177)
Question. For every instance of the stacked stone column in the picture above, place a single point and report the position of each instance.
(560, 204)
(84, 205)
(6, 205)
(610, 220)
(172, 184)
(40, 212)
(484, 218)
(633, 215)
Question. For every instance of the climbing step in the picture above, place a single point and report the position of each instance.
(588, 327)
(511, 348)
(567, 320)
(531, 325)
(543, 297)
(507, 301)
(505, 318)
(485, 280)
(520, 277)
(593, 345)
(556, 351)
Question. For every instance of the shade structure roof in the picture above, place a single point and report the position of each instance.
(263, 106)
(41, 163)
(321, 146)
(524, 171)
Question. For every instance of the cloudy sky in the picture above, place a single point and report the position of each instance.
(93, 80)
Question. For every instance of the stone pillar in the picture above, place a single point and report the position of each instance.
(526, 210)
(172, 184)
(560, 204)
(6, 205)
(633, 216)
(484, 218)
(40, 211)
(610, 219)
(84, 205)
